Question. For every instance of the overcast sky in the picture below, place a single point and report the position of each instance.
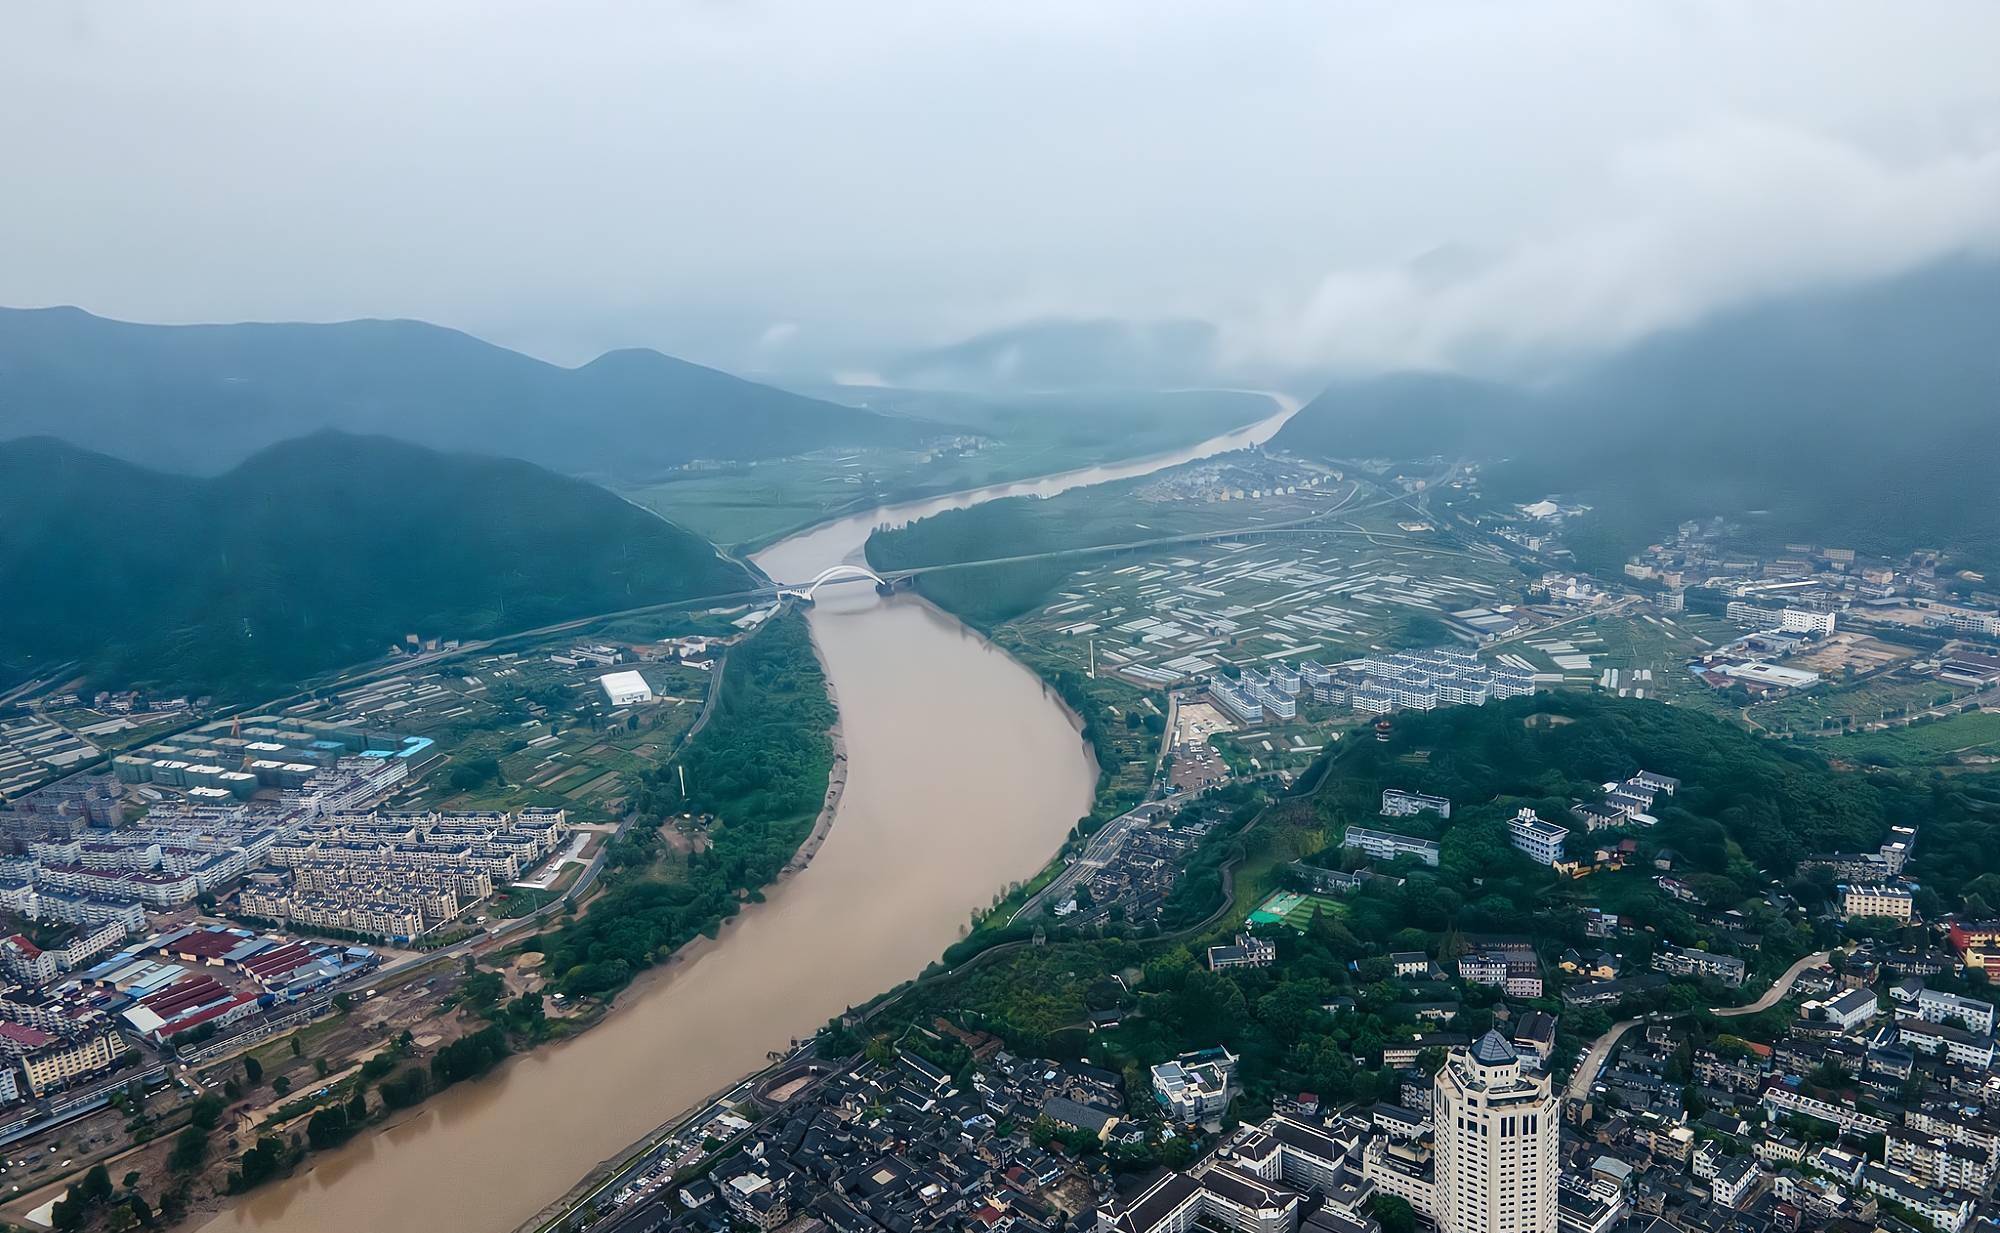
(810, 186)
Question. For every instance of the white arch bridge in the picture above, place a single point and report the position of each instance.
(831, 576)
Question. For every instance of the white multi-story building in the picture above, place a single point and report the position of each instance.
(1781, 1098)
(1235, 700)
(1939, 1162)
(1195, 1085)
(1960, 1046)
(1387, 845)
(1497, 1130)
(1950, 1213)
(1805, 621)
(1848, 1009)
(1742, 612)
(1937, 1006)
(1876, 900)
(1542, 840)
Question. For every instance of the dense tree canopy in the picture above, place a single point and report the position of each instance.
(760, 766)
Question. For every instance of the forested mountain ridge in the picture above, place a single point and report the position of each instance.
(200, 398)
(312, 555)
(1866, 416)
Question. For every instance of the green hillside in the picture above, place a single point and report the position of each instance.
(313, 554)
(1868, 416)
(200, 398)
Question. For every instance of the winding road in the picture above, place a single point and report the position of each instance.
(1593, 1061)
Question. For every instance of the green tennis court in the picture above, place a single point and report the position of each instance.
(1293, 909)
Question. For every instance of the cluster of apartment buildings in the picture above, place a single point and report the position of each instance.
(895, 1144)
(1426, 679)
(1626, 802)
(318, 765)
(1136, 876)
(1868, 1110)
(1421, 680)
(1534, 836)
(397, 875)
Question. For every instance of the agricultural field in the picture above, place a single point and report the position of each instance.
(1632, 653)
(1328, 594)
(1971, 736)
(1043, 540)
(520, 729)
(1831, 709)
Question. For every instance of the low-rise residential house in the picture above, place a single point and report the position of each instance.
(1734, 1180)
(1196, 1085)
(1535, 1036)
(1248, 951)
(1847, 1010)
(1684, 961)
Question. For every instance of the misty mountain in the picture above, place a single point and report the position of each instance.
(1868, 415)
(311, 555)
(1061, 354)
(199, 398)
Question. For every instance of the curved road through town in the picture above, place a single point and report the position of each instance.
(1593, 1061)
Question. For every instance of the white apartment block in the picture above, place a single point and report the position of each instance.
(1387, 845)
(1878, 900)
(1781, 1099)
(1540, 839)
(1937, 1006)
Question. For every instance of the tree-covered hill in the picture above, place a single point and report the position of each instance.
(313, 554)
(200, 398)
(1867, 416)
(1747, 808)
(1740, 794)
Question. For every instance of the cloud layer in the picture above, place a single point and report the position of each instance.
(1727, 214)
(800, 186)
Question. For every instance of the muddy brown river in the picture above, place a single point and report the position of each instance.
(964, 774)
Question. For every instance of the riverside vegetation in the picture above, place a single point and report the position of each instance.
(760, 767)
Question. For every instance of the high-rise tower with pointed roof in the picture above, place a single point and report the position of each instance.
(1498, 1142)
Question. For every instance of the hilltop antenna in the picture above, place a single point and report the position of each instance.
(1093, 659)
(682, 768)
